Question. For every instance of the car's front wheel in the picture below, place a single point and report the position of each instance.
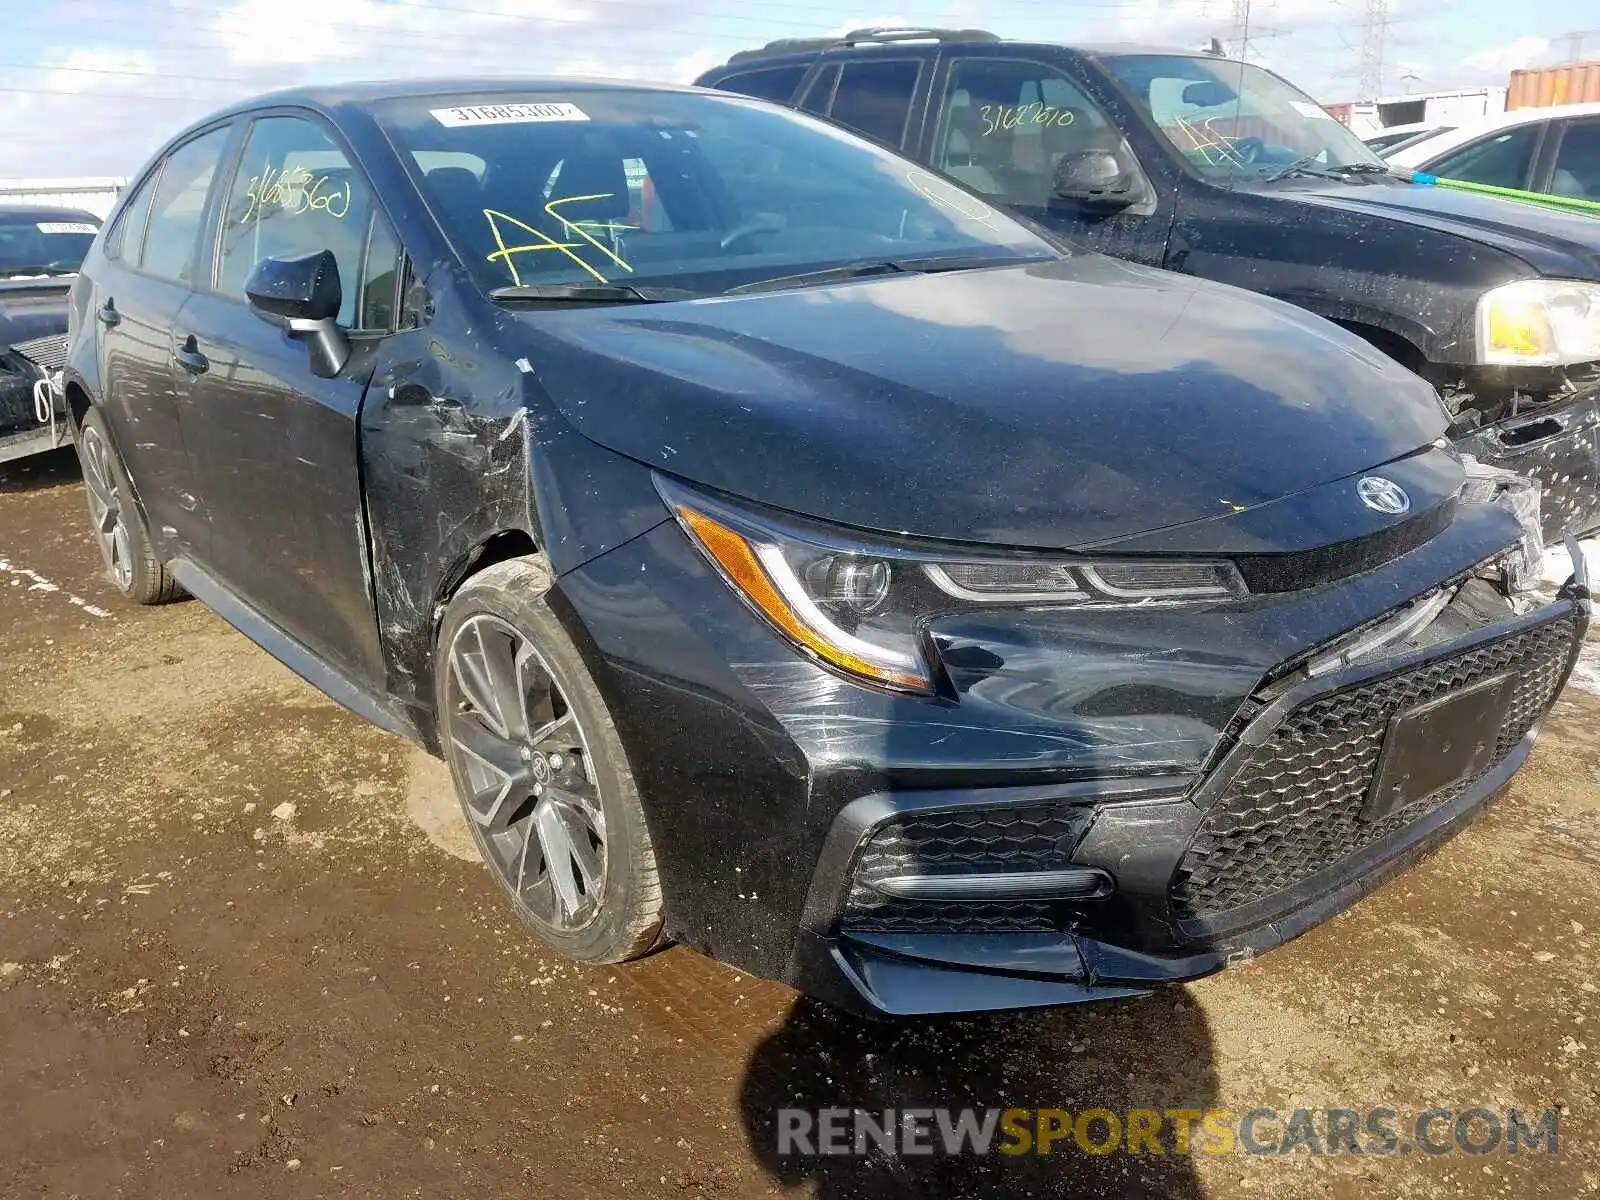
(118, 525)
(540, 771)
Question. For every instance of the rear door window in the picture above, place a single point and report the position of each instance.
(1577, 171)
(1499, 160)
(125, 243)
(874, 98)
(774, 83)
(179, 207)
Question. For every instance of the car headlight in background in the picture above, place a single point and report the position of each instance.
(861, 607)
(1539, 323)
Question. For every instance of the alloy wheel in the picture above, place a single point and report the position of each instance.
(105, 508)
(523, 767)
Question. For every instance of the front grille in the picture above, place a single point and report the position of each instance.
(1294, 808)
(48, 352)
(1030, 837)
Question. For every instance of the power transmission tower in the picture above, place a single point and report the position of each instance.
(1574, 41)
(1241, 26)
(1374, 42)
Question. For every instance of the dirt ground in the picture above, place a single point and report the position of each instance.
(244, 952)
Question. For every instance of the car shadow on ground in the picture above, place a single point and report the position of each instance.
(1151, 1053)
(48, 469)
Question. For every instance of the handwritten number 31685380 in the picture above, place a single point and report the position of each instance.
(293, 192)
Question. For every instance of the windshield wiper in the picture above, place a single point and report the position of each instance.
(887, 266)
(587, 293)
(1302, 166)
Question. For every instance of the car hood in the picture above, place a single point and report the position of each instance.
(1551, 241)
(1053, 405)
(32, 308)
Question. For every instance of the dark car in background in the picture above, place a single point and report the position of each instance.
(40, 250)
(1222, 169)
(794, 555)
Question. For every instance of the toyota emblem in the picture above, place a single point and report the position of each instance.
(1383, 495)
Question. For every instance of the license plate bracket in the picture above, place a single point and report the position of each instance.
(1435, 745)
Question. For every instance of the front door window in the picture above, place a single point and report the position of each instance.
(1007, 122)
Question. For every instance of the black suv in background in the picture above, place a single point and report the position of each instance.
(1222, 169)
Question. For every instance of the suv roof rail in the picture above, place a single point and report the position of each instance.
(873, 33)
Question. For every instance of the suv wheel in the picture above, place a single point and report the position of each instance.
(540, 771)
(119, 527)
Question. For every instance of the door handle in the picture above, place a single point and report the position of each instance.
(187, 355)
(108, 314)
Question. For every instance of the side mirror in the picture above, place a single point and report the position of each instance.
(1097, 179)
(303, 293)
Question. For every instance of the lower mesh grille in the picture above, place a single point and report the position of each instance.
(1294, 809)
(1034, 837)
(48, 352)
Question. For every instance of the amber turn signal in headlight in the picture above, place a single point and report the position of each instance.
(1539, 323)
(763, 576)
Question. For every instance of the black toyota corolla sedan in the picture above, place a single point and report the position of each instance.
(794, 555)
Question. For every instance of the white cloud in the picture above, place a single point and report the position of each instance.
(1513, 56)
(300, 32)
(89, 69)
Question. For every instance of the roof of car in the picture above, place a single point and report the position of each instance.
(339, 94)
(862, 41)
(45, 212)
(1419, 153)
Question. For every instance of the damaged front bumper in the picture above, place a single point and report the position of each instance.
(1110, 800)
(33, 411)
(1162, 879)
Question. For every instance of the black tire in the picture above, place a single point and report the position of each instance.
(142, 577)
(509, 596)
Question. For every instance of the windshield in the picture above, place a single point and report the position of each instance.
(693, 192)
(43, 245)
(1233, 121)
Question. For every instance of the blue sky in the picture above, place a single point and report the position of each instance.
(91, 86)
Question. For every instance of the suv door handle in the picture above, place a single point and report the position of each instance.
(108, 314)
(188, 356)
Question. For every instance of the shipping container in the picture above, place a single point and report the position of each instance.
(1542, 87)
(1364, 118)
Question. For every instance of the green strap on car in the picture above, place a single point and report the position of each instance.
(1567, 203)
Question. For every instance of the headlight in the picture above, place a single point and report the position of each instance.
(862, 608)
(1539, 323)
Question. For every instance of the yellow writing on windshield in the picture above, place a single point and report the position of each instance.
(583, 229)
(293, 191)
(1205, 138)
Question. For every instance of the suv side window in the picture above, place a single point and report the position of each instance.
(1006, 122)
(874, 97)
(820, 94)
(772, 83)
(1577, 171)
(295, 193)
(1500, 160)
(178, 210)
